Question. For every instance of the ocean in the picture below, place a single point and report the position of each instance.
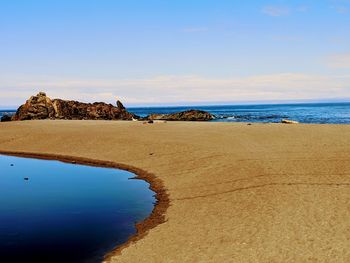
(7, 112)
(336, 113)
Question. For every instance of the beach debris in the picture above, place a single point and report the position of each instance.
(150, 121)
(151, 153)
(249, 124)
(285, 121)
(73, 162)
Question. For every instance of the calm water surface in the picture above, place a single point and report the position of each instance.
(66, 212)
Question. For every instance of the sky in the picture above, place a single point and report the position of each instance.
(175, 52)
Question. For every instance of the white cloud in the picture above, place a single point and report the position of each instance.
(272, 10)
(339, 60)
(184, 89)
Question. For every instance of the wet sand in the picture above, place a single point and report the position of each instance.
(237, 193)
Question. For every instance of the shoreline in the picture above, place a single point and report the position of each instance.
(245, 193)
(157, 215)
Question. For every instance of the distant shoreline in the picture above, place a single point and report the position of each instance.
(314, 113)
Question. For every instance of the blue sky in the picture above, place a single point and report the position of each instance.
(175, 52)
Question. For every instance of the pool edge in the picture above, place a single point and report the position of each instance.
(158, 213)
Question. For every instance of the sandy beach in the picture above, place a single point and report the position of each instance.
(236, 192)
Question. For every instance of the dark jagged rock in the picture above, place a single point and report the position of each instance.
(189, 115)
(5, 118)
(42, 107)
(120, 105)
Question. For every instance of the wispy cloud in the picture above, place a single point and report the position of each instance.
(287, 38)
(339, 60)
(279, 10)
(273, 10)
(341, 9)
(341, 6)
(184, 89)
(302, 8)
(195, 29)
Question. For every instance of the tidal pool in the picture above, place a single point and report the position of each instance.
(52, 211)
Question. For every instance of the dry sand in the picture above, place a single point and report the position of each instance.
(238, 193)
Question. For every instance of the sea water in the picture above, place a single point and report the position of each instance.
(338, 113)
(7, 112)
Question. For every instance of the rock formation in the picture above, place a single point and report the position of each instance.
(5, 118)
(36, 107)
(189, 115)
(42, 107)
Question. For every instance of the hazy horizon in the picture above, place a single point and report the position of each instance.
(175, 52)
(203, 104)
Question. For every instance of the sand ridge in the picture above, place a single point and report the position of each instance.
(237, 193)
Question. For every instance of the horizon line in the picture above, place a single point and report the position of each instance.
(204, 104)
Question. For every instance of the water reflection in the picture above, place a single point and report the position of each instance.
(57, 212)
